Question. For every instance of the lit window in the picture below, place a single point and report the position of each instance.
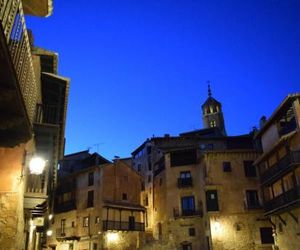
(85, 221)
(213, 124)
(97, 220)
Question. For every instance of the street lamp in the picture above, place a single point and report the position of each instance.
(37, 165)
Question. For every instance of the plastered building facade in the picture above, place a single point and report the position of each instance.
(202, 189)
(26, 130)
(279, 169)
(97, 205)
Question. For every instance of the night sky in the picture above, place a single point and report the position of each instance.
(139, 68)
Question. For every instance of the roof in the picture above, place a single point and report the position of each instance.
(276, 146)
(210, 100)
(206, 132)
(278, 111)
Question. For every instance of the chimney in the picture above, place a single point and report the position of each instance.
(262, 121)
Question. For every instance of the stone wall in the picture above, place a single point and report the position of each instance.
(11, 198)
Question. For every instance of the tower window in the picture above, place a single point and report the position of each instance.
(213, 124)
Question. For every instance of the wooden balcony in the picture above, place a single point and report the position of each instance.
(123, 226)
(281, 167)
(35, 194)
(283, 201)
(18, 85)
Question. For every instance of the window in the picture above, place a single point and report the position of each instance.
(139, 168)
(185, 175)
(131, 221)
(91, 179)
(90, 200)
(73, 224)
(249, 168)
(95, 246)
(86, 221)
(62, 226)
(252, 199)
(266, 235)
(146, 201)
(124, 196)
(213, 124)
(192, 231)
(188, 205)
(186, 246)
(212, 203)
(185, 179)
(226, 166)
(210, 146)
(97, 220)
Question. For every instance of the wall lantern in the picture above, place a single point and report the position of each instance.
(37, 165)
(49, 233)
(217, 225)
(112, 237)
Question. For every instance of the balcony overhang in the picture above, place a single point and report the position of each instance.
(123, 206)
(41, 8)
(34, 200)
(15, 126)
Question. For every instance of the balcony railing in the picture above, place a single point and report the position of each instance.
(123, 226)
(12, 24)
(184, 182)
(65, 232)
(283, 200)
(186, 213)
(281, 166)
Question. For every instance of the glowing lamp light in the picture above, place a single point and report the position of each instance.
(112, 237)
(217, 226)
(37, 165)
(50, 216)
(49, 233)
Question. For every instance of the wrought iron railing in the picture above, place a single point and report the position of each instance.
(12, 24)
(123, 225)
(279, 167)
(185, 182)
(187, 212)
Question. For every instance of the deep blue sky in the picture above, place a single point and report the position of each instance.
(139, 68)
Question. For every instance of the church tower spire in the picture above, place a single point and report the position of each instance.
(212, 114)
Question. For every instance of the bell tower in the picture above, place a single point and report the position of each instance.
(212, 114)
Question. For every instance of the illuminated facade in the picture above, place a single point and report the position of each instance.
(279, 169)
(201, 189)
(27, 129)
(97, 205)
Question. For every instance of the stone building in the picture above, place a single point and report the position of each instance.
(31, 127)
(201, 189)
(279, 169)
(97, 205)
